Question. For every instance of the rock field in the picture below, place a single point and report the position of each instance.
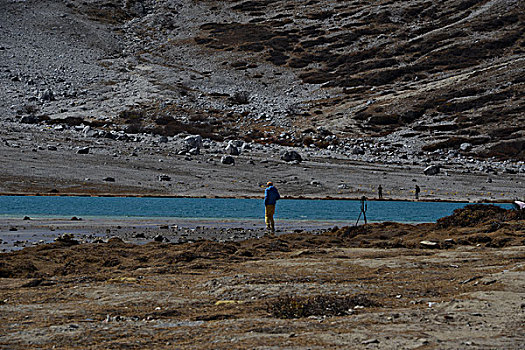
(359, 85)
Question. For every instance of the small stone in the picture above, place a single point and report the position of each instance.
(164, 177)
(429, 244)
(465, 146)
(83, 150)
(109, 179)
(370, 341)
(227, 160)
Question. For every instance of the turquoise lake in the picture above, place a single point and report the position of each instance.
(224, 208)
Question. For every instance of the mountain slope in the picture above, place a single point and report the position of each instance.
(419, 76)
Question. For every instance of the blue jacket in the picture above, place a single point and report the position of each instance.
(271, 196)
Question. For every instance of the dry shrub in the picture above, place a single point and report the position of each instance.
(475, 214)
(318, 305)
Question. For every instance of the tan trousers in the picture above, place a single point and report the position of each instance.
(268, 217)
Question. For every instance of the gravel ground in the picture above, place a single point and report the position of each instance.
(45, 161)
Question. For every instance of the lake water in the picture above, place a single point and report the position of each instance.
(222, 208)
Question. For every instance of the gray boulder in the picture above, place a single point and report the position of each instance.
(236, 143)
(232, 149)
(47, 95)
(227, 160)
(290, 156)
(193, 141)
(432, 170)
(194, 151)
(83, 150)
(358, 150)
(30, 119)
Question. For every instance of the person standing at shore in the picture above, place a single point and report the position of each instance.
(380, 192)
(418, 190)
(271, 196)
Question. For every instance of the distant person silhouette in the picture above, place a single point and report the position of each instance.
(418, 190)
(271, 196)
(380, 192)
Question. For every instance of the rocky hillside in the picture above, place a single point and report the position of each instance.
(419, 77)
